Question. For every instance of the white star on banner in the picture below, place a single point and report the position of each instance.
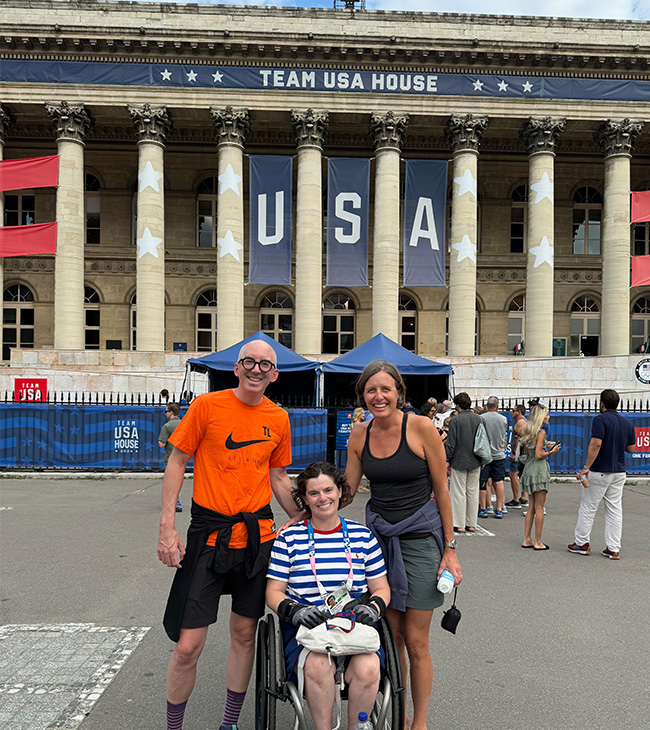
(148, 244)
(166, 75)
(543, 189)
(217, 76)
(191, 75)
(478, 85)
(542, 253)
(229, 245)
(503, 86)
(229, 180)
(527, 86)
(466, 249)
(466, 183)
(149, 178)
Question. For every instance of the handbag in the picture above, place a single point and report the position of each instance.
(482, 445)
(520, 456)
(340, 635)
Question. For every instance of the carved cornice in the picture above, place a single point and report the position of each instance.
(70, 121)
(617, 136)
(230, 126)
(6, 121)
(464, 132)
(388, 131)
(152, 123)
(541, 134)
(309, 127)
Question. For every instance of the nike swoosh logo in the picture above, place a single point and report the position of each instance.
(232, 445)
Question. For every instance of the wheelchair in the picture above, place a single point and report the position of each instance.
(273, 686)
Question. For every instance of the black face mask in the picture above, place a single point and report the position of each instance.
(451, 617)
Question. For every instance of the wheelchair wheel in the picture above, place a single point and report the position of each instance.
(266, 673)
(388, 712)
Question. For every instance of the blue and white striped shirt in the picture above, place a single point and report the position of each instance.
(290, 561)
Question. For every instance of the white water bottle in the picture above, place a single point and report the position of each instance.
(364, 723)
(446, 582)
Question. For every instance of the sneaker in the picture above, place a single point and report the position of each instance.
(493, 498)
(498, 515)
(228, 727)
(490, 510)
(514, 504)
(504, 509)
(580, 549)
(483, 513)
(179, 509)
(523, 502)
(610, 554)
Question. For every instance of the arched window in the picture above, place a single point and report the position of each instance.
(587, 217)
(93, 209)
(276, 317)
(91, 318)
(206, 213)
(516, 322)
(206, 321)
(640, 324)
(17, 319)
(518, 220)
(408, 323)
(338, 324)
(585, 326)
(19, 209)
(477, 323)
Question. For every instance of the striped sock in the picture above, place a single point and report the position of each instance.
(234, 702)
(175, 714)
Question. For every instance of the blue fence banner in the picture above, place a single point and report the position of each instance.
(343, 428)
(270, 220)
(117, 437)
(348, 206)
(425, 199)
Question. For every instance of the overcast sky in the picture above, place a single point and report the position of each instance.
(621, 9)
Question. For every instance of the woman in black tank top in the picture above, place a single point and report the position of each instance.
(404, 460)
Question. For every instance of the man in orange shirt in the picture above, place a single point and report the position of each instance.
(241, 446)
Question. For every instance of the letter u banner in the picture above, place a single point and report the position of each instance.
(270, 220)
(425, 200)
(348, 194)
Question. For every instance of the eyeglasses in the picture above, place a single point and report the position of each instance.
(168, 411)
(248, 363)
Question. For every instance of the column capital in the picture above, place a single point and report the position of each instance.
(388, 130)
(230, 125)
(617, 136)
(152, 123)
(6, 120)
(309, 127)
(540, 134)
(464, 132)
(71, 121)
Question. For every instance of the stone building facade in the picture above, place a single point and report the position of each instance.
(148, 106)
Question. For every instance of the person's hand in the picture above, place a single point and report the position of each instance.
(450, 562)
(290, 523)
(309, 617)
(582, 473)
(171, 549)
(556, 448)
(366, 613)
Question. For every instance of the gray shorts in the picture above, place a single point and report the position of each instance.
(422, 560)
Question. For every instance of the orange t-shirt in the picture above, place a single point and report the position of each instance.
(234, 445)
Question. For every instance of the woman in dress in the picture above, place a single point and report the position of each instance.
(410, 514)
(536, 476)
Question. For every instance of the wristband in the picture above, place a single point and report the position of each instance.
(380, 603)
(287, 609)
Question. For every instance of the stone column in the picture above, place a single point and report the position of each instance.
(230, 129)
(616, 139)
(387, 132)
(309, 129)
(152, 125)
(6, 120)
(540, 135)
(464, 135)
(71, 124)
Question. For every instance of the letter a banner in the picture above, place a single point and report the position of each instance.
(425, 201)
(270, 220)
(348, 197)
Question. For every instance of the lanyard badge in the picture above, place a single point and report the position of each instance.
(338, 598)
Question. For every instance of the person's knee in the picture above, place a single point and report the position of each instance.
(417, 647)
(364, 669)
(188, 650)
(318, 669)
(242, 631)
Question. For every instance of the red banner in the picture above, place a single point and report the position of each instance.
(27, 240)
(32, 172)
(640, 270)
(642, 438)
(30, 390)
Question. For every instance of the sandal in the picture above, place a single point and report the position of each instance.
(459, 530)
(470, 529)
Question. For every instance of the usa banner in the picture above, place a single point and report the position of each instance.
(425, 199)
(270, 220)
(348, 201)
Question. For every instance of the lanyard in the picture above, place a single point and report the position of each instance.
(348, 557)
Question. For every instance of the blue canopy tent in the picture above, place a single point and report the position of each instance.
(296, 385)
(423, 378)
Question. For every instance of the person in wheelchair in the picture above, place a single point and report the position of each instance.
(320, 567)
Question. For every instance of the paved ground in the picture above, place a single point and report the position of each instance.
(547, 640)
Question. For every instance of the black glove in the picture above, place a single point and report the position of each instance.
(309, 617)
(366, 614)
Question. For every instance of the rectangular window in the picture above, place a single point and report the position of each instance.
(93, 209)
(205, 221)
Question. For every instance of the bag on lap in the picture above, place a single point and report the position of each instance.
(339, 636)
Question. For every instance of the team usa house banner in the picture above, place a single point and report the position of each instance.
(348, 215)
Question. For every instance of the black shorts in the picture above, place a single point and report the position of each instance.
(495, 470)
(207, 587)
(516, 466)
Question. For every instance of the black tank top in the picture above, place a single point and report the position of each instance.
(399, 484)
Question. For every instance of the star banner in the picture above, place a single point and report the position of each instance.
(640, 207)
(348, 203)
(27, 240)
(640, 270)
(425, 199)
(31, 172)
(270, 220)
